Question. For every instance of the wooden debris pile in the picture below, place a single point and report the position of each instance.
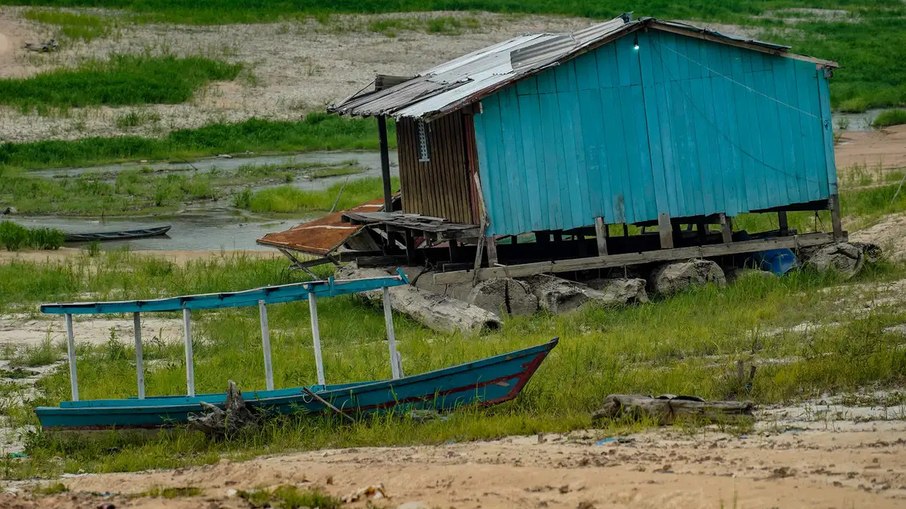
(667, 409)
(227, 421)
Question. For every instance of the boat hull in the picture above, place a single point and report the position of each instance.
(120, 235)
(486, 382)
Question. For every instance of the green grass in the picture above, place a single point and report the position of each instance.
(14, 237)
(74, 26)
(171, 493)
(867, 43)
(889, 118)
(445, 25)
(317, 131)
(136, 191)
(688, 344)
(290, 497)
(340, 196)
(123, 80)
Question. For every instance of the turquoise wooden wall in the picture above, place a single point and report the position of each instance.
(679, 125)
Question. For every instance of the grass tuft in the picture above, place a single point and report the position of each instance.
(889, 118)
(50, 489)
(290, 497)
(122, 80)
(173, 492)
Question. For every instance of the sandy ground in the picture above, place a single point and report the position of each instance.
(296, 67)
(882, 148)
(822, 455)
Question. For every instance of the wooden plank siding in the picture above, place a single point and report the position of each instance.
(442, 186)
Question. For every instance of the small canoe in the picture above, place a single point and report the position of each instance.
(118, 235)
(484, 382)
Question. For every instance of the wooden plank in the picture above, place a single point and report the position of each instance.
(726, 228)
(665, 230)
(783, 223)
(491, 244)
(622, 260)
(601, 235)
(835, 218)
(385, 162)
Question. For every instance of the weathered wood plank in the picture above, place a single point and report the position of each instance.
(601, 235)
(621, 260)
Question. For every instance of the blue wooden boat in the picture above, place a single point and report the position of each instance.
(486, 382)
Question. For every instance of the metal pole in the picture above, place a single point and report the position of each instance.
(190, 366)
(70, 349)
(266, 346)
(316, 335)
(395, 363)
(385, 162)
(139, 363)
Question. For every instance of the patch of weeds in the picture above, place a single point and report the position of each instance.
(340, 196)
(50, 489)
(13, 236)
(173, 492)
(42, 354)
(93, 248)
(290, 497)
(449, 25)
(74, 26)
(119, 81)
(889, 118)
(17, 373)
(136, 118)
(317, 131)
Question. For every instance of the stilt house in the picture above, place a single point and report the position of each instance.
(620, 144)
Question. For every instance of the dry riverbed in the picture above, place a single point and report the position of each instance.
(292, 67)
(820, 454)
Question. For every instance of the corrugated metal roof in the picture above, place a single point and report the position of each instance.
(464, 80)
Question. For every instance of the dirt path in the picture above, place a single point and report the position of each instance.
(835, 465)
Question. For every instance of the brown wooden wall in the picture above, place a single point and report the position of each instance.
(441, 187)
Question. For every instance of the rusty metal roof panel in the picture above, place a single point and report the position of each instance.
(321, 236)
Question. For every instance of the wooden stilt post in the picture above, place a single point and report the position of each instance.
(665, 230)
(316, 335)
(836, 223)
(782, 222)
(385, 162)
(266, 346)
(491, 245)
(396, 365)
(190, 363)
(139, 360)
(601, 235)
(726, 228)
(70, 350)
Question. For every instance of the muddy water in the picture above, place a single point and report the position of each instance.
(210, 225)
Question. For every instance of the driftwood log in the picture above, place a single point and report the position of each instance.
(667, 409)
(226, 421)
(438, 312)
